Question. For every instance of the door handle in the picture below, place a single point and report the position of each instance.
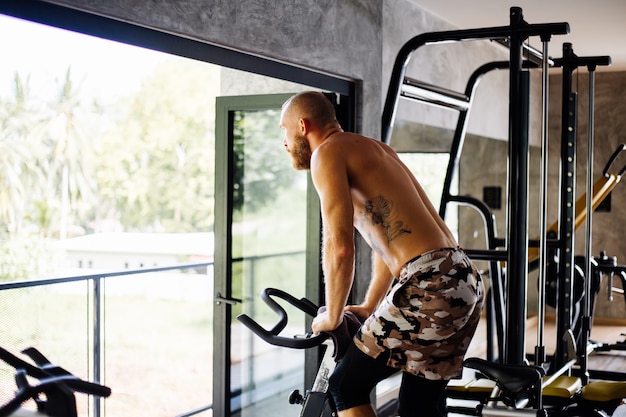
(232, 301)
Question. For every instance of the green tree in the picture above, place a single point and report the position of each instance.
(17, 116)
(261, 165)
(156, 167)
(22, 181)
(62, 140)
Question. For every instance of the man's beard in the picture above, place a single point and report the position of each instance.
(301, 153)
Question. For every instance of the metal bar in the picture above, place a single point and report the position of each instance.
(431, 94)
(50, 281)
(461, 129)
(487, 255)
(507, 412)
(586, 325)
(97, 342)
(517, 209)
(404, 55)
(574, 61)
(533, 54)
(567, 207)
(540, 351)
(553, 376)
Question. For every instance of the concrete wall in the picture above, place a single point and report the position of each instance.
(341, 38)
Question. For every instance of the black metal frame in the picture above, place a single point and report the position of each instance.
(517, 241)
(565, 245)
(516, 255)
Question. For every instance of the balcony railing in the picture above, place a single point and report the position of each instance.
(143, 349)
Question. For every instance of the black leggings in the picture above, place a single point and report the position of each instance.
(357, 374)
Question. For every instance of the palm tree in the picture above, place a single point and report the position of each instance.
(16, 119)
(67, 154)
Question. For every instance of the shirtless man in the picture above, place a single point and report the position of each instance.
(424, 299)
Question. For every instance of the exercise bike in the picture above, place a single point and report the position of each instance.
(516, 387)
(314, 402)
(57, 385)
(499, 391)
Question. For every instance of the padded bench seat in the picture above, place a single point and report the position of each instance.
(600, 391)
(562, 387)
(470, 388)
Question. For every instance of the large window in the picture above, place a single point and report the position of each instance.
(107, 167)
(430, 171)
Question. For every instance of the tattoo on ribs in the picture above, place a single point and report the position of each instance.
(379, 212)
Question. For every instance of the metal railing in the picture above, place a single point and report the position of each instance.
(97, 295)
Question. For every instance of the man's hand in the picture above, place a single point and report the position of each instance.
(323, 323)
(360, 310)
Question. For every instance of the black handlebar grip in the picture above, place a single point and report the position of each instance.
(273, 339)
(272, 336)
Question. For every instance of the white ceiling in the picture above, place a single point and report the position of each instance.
(597, 27)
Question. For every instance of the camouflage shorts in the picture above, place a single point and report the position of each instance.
(427, 320)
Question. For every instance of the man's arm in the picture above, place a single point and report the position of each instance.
(378, 288)
(329, 174)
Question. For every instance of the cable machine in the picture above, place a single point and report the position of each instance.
(567, 224)
(508, 296)
(514, 388)
(514, 36)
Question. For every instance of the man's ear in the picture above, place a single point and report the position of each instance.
(304, 125)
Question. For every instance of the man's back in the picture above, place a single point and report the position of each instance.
(391, 210)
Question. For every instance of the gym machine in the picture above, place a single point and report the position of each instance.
(57, 385)
(507, 385)
(512, 343)
(514, 36)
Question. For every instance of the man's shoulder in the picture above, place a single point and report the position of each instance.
(348, 140)
(348, 147)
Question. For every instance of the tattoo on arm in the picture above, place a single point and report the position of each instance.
(378, 211)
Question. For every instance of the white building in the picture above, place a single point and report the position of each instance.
(119, 251)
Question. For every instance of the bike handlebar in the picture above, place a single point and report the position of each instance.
(46, 370)
(272, 336)
(58, 384)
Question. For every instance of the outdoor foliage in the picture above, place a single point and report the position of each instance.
(71, 165)
(259, 173)
(156, 165)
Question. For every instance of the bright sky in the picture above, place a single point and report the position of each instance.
(106, 69)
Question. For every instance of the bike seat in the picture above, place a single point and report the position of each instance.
(511, 378)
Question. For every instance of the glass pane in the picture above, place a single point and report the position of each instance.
(52, 320)
(159, 325)
(269, 241)
(430, 171)
(108, 167)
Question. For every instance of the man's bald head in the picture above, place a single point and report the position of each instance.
(312, 106)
